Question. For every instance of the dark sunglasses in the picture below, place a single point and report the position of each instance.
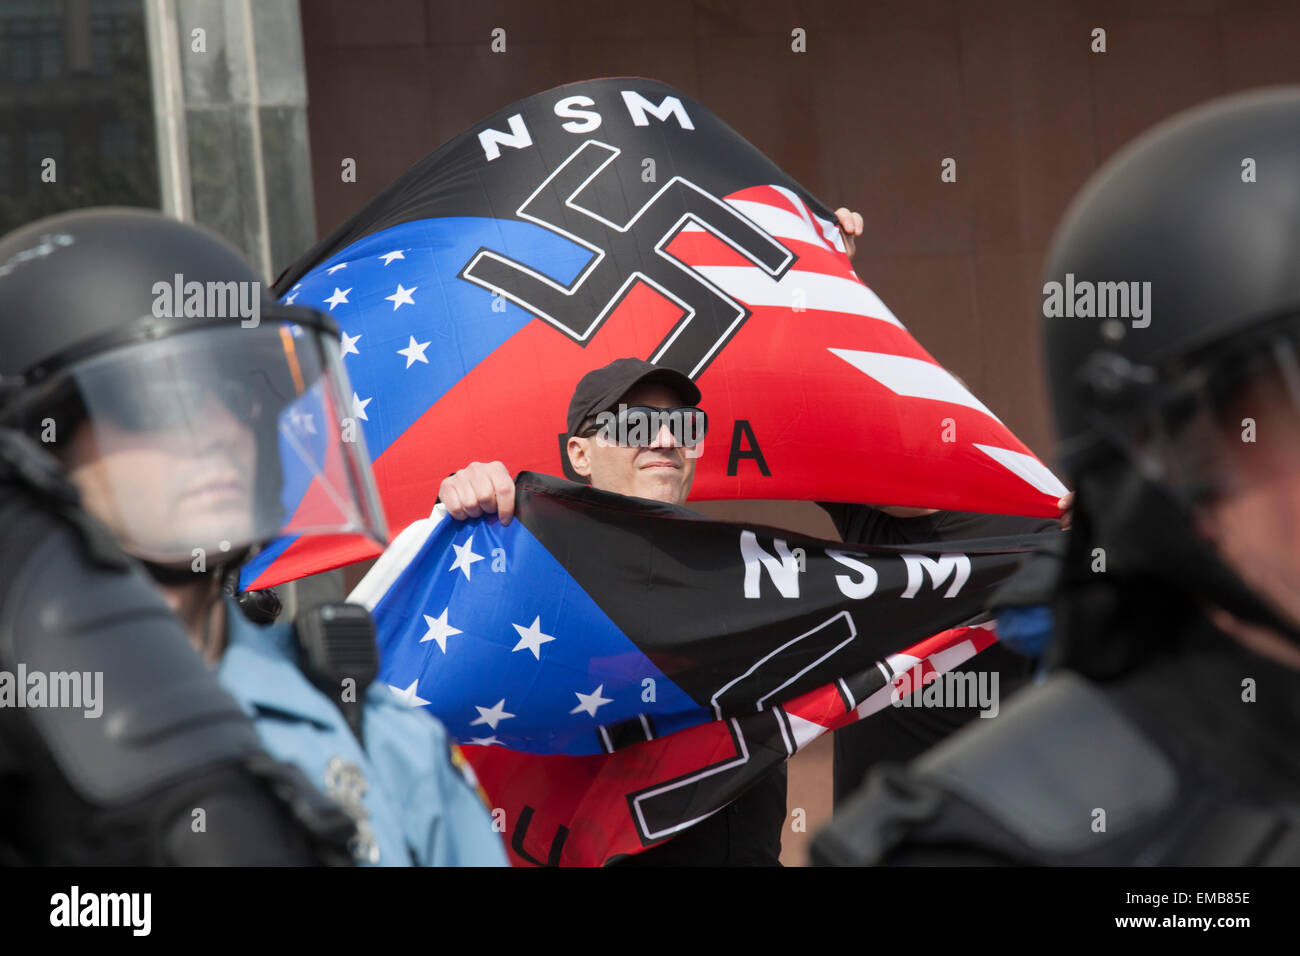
(637, 426)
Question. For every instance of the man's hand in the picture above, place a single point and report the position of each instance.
(1066, 505)
(479, 488)
(850, 225)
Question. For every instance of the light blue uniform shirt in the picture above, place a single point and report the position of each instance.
(419, 807)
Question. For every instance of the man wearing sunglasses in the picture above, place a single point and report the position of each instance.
(635, 429)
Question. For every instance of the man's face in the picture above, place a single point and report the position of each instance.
(168, 491)
(662, 471)
(1256, 525)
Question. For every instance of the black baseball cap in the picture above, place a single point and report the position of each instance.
(600, 389)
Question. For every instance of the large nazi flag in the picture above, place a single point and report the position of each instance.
(619, 217)
(618, 669)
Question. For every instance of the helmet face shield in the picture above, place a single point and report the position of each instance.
(215, 440)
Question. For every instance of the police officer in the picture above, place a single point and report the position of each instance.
(198, 420)
(152, 763)
(1166, 733)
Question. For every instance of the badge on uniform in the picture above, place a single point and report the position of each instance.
(346, 785)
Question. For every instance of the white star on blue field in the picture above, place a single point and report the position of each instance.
(508, 649)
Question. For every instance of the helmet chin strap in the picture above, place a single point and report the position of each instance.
(176, 575)
(260, 607)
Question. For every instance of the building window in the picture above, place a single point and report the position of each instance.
(85, 101)
(50, 46)
(116, 140)
(101, 45)
(22, 50)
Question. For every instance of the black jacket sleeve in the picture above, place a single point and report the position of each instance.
(862, 524)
